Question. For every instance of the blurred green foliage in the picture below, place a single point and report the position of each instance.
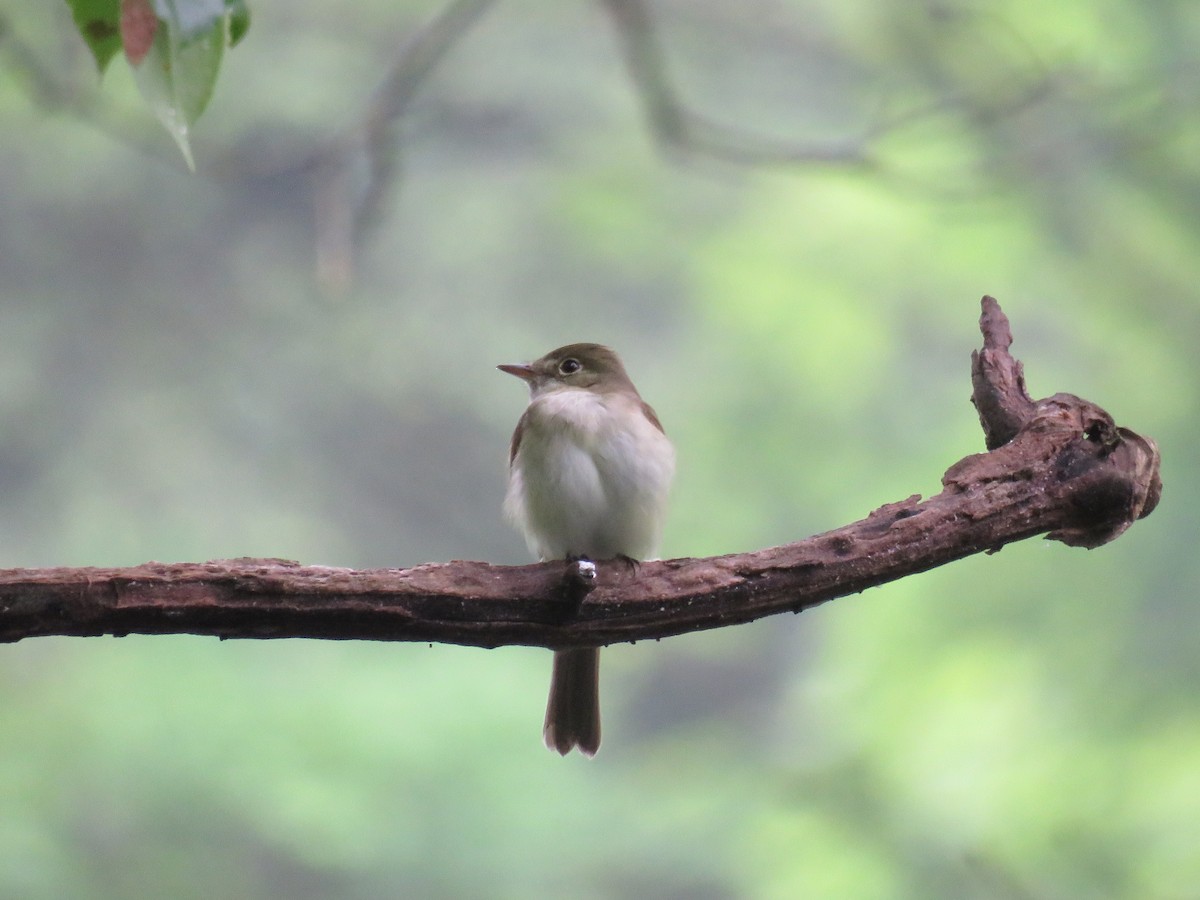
(178, 381)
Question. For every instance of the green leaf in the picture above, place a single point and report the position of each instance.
(239, 20)
(175, 48)
(98, 22)
(177, 78)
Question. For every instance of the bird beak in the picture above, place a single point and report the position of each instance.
(524, 372)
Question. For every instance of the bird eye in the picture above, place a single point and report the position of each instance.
(569, 366)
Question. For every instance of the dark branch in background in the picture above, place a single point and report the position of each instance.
(353, 178)
(679, 128)
(1058, 465)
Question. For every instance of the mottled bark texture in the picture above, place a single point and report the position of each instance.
(1058, 466)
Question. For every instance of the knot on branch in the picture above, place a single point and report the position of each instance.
(1110, 474)
(1115, 477)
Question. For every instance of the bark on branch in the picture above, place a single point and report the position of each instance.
(1058, 466)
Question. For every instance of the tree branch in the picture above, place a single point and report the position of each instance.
(353, 176)
(1059, 465)
(676, 126)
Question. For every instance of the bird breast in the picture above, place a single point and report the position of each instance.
(590, 477)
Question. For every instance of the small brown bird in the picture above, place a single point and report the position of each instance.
(589, 473)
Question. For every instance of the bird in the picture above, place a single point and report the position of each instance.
(590, 471)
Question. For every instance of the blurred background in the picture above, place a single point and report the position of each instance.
(783, 214)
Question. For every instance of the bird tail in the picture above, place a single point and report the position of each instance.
(573, 711)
